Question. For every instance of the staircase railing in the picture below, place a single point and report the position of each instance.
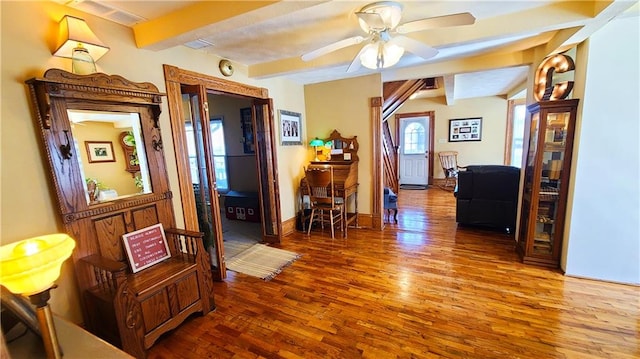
(389, 158)
(395, 94)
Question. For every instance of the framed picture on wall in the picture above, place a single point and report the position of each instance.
(247, 130)
(99, 151)
(290, 128)
(465, 129)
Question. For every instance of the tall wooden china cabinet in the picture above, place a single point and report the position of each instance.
(548, 165)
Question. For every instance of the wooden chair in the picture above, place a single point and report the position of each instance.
(450, 167)
(324, 204)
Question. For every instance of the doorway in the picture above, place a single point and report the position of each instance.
(415, 139)
(189, 97)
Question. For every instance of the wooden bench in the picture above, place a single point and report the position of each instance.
(133, 310)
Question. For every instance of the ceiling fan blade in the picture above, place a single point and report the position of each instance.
(415, 47)
(332, 47)
(355, 63)
(373, 20)
(464, 18)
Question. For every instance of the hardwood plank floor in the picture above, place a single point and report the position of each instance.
(422, 288)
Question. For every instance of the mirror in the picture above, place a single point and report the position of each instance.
(111, 154)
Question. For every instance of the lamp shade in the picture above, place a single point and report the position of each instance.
(379, 54)
(73, 31)
(32, 265)
(316, 142)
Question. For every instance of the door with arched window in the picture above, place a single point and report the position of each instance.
(414, 137)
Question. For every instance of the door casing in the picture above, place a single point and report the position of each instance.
(263, 122)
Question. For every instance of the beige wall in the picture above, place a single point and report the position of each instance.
(28, 202)
(112, 175)
(490, 150)
(344, 105)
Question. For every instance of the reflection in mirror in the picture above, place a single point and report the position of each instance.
(111, 154)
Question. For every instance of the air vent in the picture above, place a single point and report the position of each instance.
(198, 44)
(104, 11)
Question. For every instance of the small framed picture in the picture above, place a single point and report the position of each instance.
(290, 128)
(247, 130)
(465, 129)
(100, 151)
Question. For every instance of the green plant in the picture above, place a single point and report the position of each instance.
(99, 185)
(130, 140)
(138, 181)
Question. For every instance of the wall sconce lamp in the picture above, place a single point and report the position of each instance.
(316, 143)
(77, 42)
(29, 267)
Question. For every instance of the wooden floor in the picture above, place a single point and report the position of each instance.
(420, 289)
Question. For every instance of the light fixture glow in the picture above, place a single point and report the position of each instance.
(380, 54)
(32, 265)
(29, 267)
(316, 142)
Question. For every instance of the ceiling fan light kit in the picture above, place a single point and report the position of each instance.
(378, 55)
(380, 20)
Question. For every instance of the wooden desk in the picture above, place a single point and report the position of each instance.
(345, 178)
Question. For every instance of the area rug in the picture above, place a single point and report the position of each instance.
(412, 186)
(262, 261)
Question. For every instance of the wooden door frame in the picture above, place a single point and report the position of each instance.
(174, 78)
(432, 120)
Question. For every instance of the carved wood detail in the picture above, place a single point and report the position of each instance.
(113, 298)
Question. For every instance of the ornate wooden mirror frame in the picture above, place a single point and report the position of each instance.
(98, 226)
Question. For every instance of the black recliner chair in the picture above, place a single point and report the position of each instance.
(488, 196)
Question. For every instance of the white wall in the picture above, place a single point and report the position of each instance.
(604, 223)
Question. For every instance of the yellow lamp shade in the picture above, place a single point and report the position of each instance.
(32, 265)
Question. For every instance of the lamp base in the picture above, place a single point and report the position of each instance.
(45, 320)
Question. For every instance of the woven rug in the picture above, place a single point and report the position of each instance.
(413, 186)
(262, 261)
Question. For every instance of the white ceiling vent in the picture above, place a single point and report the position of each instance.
(198, 44)
(104, 10)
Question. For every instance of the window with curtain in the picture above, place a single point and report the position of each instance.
(414, 139)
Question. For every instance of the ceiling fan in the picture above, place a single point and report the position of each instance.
(381, 20)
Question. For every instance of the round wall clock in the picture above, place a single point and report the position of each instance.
(226, 68)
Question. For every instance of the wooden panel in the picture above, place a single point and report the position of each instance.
(155, 310)
(116, 304)
(145, 217)
(109, 231)
(187, 291)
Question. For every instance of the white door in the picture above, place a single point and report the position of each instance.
(414, 137)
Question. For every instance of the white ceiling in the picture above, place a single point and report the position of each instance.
(269, 40)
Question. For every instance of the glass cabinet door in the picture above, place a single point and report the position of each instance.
(530, 166)
(552, 149)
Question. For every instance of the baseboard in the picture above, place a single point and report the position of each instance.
(439, 182)
(364, 221)
(289, 226)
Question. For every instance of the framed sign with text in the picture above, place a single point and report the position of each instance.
(146, 247)
(465, 129)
